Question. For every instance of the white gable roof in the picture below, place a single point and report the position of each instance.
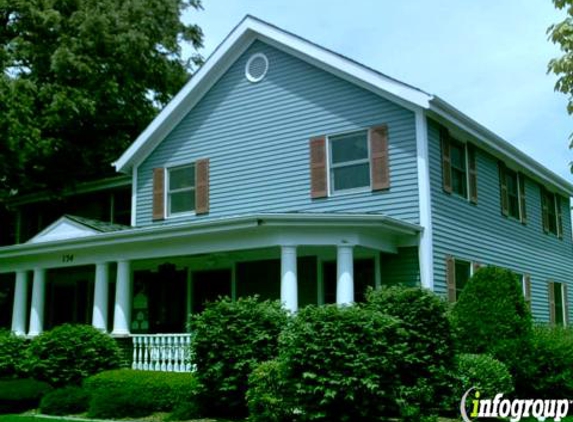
(251, 29)
(64, 228)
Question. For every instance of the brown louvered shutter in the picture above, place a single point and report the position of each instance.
(472, 173)
(565, 304)
(544, 210)
(522, 199)
(527, 289)
(559, 215)
(158, 207)
(451, 278)
(202, 186)
(503, 197)
(551, 296)
(379, 165)
(318, 176)
(446, 160)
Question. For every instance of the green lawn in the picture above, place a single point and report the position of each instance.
(18, 418)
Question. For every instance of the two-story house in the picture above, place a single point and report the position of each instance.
(286, 170)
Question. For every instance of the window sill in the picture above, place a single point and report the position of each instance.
(180, 215)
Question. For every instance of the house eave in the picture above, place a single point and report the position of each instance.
(497, 145)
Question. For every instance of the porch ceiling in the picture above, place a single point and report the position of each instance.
(226, 234)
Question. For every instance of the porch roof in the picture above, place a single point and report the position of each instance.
(230, 233)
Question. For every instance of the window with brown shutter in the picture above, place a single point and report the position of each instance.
(472, 174)
(446, 160)
(522, 199)
(318, 171)
(551, 298)
(158, 206)
(559, 216)
(379, 166)
(451, 278)
(551, 216)
(527, 289)
(202, 186)
(503, 190)
(565, 305)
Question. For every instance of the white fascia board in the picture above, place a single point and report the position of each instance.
(225, 55)
(499, 146)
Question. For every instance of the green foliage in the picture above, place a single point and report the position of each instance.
(69, 353)
(12, 350)
(65, 401)
(488, 375)
(426, 367)
(128, 393)
(268, 397)
(491, 315)
(561, 34)
(231, 339)
(546, 368)
(81, 79)
(18, 395)
(341, 362)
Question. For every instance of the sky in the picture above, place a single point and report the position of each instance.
(488, 58)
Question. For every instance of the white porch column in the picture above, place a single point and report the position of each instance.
(344, 275)
(101, 287)
(19, 304)
(38, 302)
(122, 310)
(289, 283)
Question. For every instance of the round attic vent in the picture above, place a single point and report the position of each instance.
(256, 67)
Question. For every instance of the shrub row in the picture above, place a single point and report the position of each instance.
(18, 395)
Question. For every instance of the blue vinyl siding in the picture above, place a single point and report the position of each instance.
(480, 232)
(402, 268)
(257, 139)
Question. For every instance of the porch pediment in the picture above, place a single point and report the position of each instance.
(71, 227)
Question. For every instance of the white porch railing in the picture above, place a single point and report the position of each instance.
(162, 352)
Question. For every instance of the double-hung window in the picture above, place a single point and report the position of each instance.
(181, 189)
(558, 304)
(349, 161)
(511, 182)
(551, 213)
(459, 168)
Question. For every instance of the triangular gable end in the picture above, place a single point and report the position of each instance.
(63, 228)
(241, 37)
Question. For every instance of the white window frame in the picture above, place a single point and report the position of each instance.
(331, 166)
(563, 304)
(168, 191)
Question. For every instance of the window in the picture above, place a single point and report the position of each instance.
(463, 274)
(181, 189)
(459, 173)
(551, 213)
(349, 161)
(558, 303)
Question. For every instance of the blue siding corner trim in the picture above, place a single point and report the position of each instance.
(256, 137)
(481, 233)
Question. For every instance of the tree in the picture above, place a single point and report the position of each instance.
(562, 34)
(81, 79)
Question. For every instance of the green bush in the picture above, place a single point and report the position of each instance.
(545, 369)
(12, 350)
(426, 368)
(491, 317)
(231, 338)
(128, 393)
(341, 363)
(18, 395)
(488, 375)
(267, 397)
(65, 401)
(69, 353)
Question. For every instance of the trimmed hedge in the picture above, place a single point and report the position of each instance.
(341, 363)
(129, 393)
(19, 395)
(268, 398)
(65, 401)
(69, 353)
(425, 369)
(12, 352)
(488, 375)
(231, 339)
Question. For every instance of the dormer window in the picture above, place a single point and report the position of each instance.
(181, 189)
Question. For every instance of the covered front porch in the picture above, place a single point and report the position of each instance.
(144, 283)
